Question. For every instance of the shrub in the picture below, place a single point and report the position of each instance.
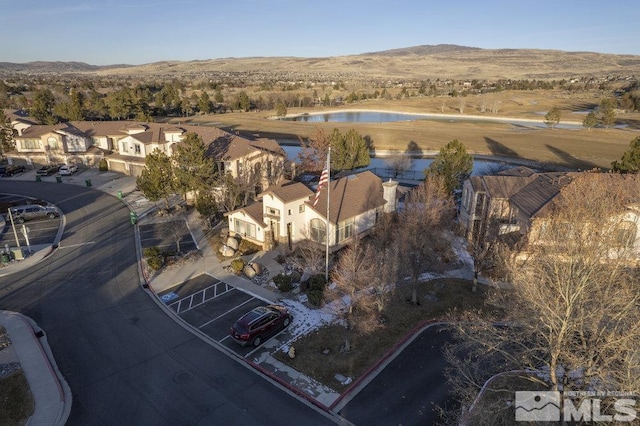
(154, 258)
(237, 265)
(317, 283)
(247, 247)
(295, 277)
(103, 166)
(283, 282)
(315, 297)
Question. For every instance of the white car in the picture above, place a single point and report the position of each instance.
(67, 170)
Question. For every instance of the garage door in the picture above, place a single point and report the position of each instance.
(117, 166)
(136, 169)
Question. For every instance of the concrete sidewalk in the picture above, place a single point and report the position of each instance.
(29, 348)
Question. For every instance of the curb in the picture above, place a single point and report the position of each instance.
(390, 354)
(52, 410)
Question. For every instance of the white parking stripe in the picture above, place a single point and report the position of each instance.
(229, 311)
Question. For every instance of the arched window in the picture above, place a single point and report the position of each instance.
(318, 231)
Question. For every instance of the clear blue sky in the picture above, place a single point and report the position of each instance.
(104, 32)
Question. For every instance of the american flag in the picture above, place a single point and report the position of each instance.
(324, 180)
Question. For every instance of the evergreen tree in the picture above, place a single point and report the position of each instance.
(553, 117)
(243, 102)
(204, 103)
(218, 96)
(192, 169)
(42, 108)
(630, 161)
(608, 112)
(453, 163)
(7, 143)
(350, 150)
(156, 180)
(590, 121)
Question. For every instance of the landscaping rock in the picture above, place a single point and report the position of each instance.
(233, 243)
(227, 251)
(258, 268)
(249, 271)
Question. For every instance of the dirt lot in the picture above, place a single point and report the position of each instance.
(582, 148)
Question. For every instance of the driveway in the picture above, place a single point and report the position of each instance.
(407, 390)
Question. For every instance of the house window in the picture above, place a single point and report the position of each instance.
(245, 228)
(137, 148)
(52, 142)
(345, 230)
(31, 144)
(239, 168)
(272, 211)
(318, 232)
(289, 212)
(125, 147)
(479, 204)
(301, 208)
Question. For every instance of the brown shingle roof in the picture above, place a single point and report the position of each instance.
(254, 211)
(289, 191)
(351, 196)
(40, 129)
(539, 192)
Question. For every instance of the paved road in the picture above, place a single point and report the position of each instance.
(125, 359)
(407, 390)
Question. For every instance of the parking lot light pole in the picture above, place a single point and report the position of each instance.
(13, 226)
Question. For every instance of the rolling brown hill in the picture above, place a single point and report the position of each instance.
(412, 63)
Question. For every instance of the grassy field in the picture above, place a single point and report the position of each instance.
(581, 148)
(400, 318)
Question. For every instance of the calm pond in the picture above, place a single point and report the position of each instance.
(418, 165)
(387, 117)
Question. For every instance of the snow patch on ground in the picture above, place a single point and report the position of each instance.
(307, 320)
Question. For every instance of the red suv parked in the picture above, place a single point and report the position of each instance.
(260, 323)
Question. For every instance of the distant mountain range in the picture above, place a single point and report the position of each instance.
(418, 62)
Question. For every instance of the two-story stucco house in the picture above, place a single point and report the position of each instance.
(519, 201)
(285, 213)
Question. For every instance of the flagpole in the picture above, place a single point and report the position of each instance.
(326, 258)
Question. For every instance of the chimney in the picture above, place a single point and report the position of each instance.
(389, 194)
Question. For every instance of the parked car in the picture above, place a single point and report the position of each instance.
(47, 170)
(260, 323)
(11, 169)
(33, 211)
(67, 170)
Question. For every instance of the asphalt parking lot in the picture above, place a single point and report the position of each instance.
(204, 302)
(39, 231)
(212, 307)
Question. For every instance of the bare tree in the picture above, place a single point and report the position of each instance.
(352, 295)
(399, 163)
(309, 257)
(427, 215)
(386, 257)
(574, 317)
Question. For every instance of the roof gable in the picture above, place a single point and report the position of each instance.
(288, 191)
